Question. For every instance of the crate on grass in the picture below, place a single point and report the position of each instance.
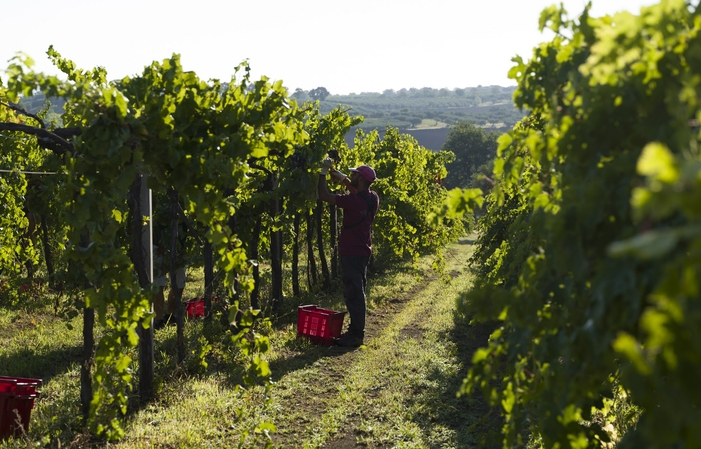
(195, 307)
(19, 384)
(321, 326)
(17, 395)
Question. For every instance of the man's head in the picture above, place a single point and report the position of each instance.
(362, 175)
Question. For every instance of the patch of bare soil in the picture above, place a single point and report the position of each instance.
(412, 331)
(20, 324)
(84, 441)
(348, 441)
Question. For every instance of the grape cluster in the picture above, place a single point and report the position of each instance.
(297, 160)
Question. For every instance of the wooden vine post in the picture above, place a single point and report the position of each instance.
(146, 344)
(311, 261)
(295, 254)
(177, 292)
(275, 243)
(333, 210)
(88, 360)
(318, 212)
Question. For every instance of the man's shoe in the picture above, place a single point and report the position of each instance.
(159, 324)
(350, 341)
(167, 319)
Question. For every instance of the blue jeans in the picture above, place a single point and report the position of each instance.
(354, 276)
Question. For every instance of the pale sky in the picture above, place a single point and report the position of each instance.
(345, 46)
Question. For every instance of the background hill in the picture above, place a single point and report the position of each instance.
(425, 113)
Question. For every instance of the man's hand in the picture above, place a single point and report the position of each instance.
(323, 189)
(337, 175)
(325, 166)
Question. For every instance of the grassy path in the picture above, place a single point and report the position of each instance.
(399, 390)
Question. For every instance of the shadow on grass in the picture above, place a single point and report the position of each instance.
(223, 360)
(474, 422)
(27, 362)
(309, 354)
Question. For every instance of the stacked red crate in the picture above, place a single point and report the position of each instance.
(17, 395)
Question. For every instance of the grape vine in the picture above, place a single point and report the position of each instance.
(589, 250)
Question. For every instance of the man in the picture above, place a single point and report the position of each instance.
(354, 243)
(167, 316)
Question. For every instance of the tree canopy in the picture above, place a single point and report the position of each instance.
(473, 147)
(320, 93)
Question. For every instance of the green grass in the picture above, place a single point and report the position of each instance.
(399, 390)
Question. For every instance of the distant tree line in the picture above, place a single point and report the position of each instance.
(485, 106)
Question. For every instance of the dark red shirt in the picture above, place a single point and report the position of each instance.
(356, 239)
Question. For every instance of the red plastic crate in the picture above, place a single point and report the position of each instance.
(195, 307)
(36, 382)
(7, 385)
(321, 326)
(16, 394)
(19, 385)
(5, 431)
(14, 404)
